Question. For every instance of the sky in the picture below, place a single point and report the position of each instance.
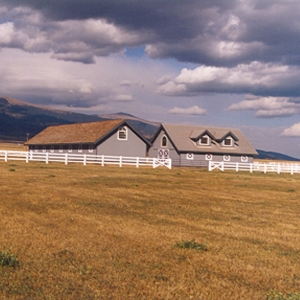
(208, 62)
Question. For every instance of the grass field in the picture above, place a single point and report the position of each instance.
(91, 232)
(13, 146)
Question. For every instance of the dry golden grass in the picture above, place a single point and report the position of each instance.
(13, 146)
(91, 232)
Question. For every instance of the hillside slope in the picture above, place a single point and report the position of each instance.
(20, 120)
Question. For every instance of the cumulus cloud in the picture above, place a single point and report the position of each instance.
(255, 78)
(269, 107)
(216, 33)
(293, 131)
(194, 110)
(70, 40)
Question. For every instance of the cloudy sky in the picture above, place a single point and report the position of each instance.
(210, 62)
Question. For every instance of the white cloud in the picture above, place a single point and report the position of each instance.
(6, 33)
(123, 97)
(195, 110)
(293, 131)
(255, 77)
(70, 40)
(268, 107)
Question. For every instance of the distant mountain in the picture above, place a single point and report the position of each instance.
(19, 120)
(147, 128)
(273, 156)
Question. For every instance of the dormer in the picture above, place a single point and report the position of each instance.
(203, 139)
(228, 140)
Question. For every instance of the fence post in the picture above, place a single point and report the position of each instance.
(237, 167)
(102, 161)
(66, 158)
(251, 168)
(27, 157)
(47, 158)
(265, 168)
(6, 156)
(84, 159)
(292, 170)
(120, 161)
(209, 166)
(137, 162)
(278, 168)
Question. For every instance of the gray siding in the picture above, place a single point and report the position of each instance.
(156, 147)
(133, 146)
(196, 159)
(112, 146)
(199, 160)
(63, 149)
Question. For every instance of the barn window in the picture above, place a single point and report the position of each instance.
(164, 141)
(226, 157)
(60, 149)
(190, 156)
(70, 148)
(51, 148)
(91, 148)
(228, 142)
(122, 133)
(79, 148)
(204, 140)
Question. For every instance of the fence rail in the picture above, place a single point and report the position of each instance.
(84, 159)
(291, 168)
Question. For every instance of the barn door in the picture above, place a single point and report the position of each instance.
(163, 153)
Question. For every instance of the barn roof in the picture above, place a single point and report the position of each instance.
(79, 133)
(184, 139)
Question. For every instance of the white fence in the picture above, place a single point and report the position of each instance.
(276, 167)
(85, 159)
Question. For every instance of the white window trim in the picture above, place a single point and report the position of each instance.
(190, 156)
(226, 157)
(91, 148)
(208, 156)
(208, 140)
(231, 142)
(80, 148)
(244, 158)
(123, 129)
(161, 141)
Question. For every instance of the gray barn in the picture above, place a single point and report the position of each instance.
(197, 145)
(111, 137)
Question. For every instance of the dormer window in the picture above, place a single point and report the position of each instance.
(164, 141)
(204, 140)
(228, 142)
(122, 133)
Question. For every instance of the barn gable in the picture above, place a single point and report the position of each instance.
(197, 145)
(91, 138)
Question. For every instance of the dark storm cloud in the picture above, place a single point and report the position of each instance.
(215, 32)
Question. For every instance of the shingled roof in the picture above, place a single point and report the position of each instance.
(79, 133)
(183, 138)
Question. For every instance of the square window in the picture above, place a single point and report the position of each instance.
(122, 133)
(228, 142)
(204, 140)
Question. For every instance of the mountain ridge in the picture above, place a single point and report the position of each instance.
(21, 120)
